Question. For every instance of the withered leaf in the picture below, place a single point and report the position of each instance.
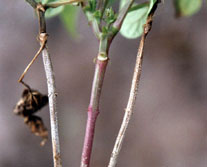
(30, 102)
(37, 127)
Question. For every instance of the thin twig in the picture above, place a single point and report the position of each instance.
(32, 61)
(51, 90)
(122, 14)
(39, 8)
(133, 93)
(102, 4)
(94, 24)
(116, 26)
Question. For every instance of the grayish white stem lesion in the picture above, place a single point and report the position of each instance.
(52, 95)
(130, 106)
(133, 92)
(40, 10)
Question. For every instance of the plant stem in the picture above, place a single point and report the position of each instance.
(93, 108)
(100, 68)
(102, 6)
(52, 105)
(122, 14)
(94, 24)
(39, 8)
(132, 95)
(52, 95)
(130, 105)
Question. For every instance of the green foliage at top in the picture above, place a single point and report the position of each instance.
(68, 15)
(132, 26)
(187, 7)
(91, 6)
(109, 17)
(52, 12)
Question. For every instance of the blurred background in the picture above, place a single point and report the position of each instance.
(169, 124)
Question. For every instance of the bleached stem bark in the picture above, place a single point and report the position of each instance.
(132, 96)
(52, 95)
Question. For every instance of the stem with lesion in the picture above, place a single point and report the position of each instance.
(52, 95)
(130, 105)
(133, 91)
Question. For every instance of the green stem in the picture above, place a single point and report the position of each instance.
(103, 7)
(103, 47)
(94, 24)
(122, 14)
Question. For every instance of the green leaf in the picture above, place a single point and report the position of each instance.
(46, 1)
(132, 26)
(187, 7)
(97, 15)
(69, 17)
(51, 12)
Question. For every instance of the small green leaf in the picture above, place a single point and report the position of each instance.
(97, 15)
(187, 7)
(69, 17)
(51, 12)
(132, 26)
(109, 16)
(104, 30)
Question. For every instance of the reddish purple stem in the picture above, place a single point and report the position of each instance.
(93, 111)
(88, 142)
